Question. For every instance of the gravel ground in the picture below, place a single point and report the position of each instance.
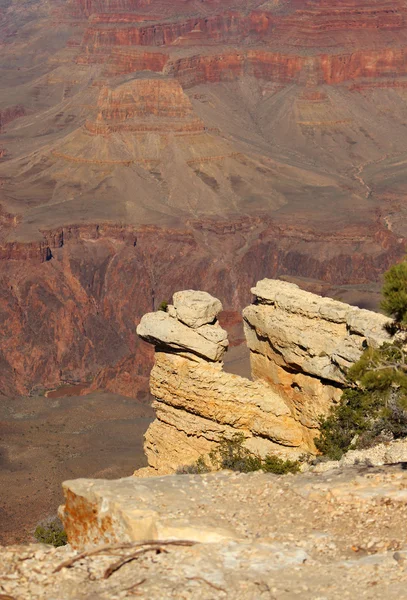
(335, 535)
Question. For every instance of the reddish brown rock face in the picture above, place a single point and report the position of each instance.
(155, 145)
(9, 114)
(73, 317)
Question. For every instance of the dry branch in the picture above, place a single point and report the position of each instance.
(109, 548)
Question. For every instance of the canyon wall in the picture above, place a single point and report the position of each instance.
(301, 346)
(121, 182)
(69, 303)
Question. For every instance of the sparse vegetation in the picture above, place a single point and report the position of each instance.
(395, 294)
(278, 466)
(163, 306)
(51, 532)
(197, 468)
(374, 407)
(232, 454)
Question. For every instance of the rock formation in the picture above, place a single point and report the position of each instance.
(223, 535)
(196, 402)
(300, 346)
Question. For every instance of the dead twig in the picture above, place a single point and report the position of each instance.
(109, 548)
(129, 558)
(132, 587)
(212, 585)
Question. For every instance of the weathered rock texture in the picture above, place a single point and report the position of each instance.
(197, 403)
(98, 511)
(302, 344)
(336, 535)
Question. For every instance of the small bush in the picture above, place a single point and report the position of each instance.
(374, 410)
(233, 455)
(197, 468)
(278, 466)
(374, 407)
(51, 532)
(163, 306)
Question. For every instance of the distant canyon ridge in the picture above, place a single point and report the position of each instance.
(148, 146)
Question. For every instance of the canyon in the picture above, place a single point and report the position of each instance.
(234, 140)
(153, 146)
(334, 528)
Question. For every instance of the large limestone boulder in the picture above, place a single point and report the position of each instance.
(163, 330)
(98, 511)
(196, 308)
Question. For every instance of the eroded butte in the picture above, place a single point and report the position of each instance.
(150, 146)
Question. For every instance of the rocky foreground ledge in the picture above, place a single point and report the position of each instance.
(340, 534)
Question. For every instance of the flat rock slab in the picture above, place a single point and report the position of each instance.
(131, 509)
(161, 329)
(345, 486)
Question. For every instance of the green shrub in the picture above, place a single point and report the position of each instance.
(163, 306)
(197, 467)
(374, 407)
(278, 466)
(372, 412)
(395, 293)
(51, 532)
(233, 455)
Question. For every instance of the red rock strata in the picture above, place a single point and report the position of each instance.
(268, 174)
(70, 304)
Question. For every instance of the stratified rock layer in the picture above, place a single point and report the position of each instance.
(197, 404)
(262, 139)
(302, 344)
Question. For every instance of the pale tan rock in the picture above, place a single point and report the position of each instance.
(198, 404)
(168, 449)
(214, 333)
(292, 299)
(302, 344)
(301, 348)
(223, 397)
(382, 454)
(196, 308)
(160, 328)
(99, 511)
(336, 535)
(308, 397)
(178, 438)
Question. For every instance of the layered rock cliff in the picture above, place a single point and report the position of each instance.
(196, 402)
(301, 346)
(255, 139)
